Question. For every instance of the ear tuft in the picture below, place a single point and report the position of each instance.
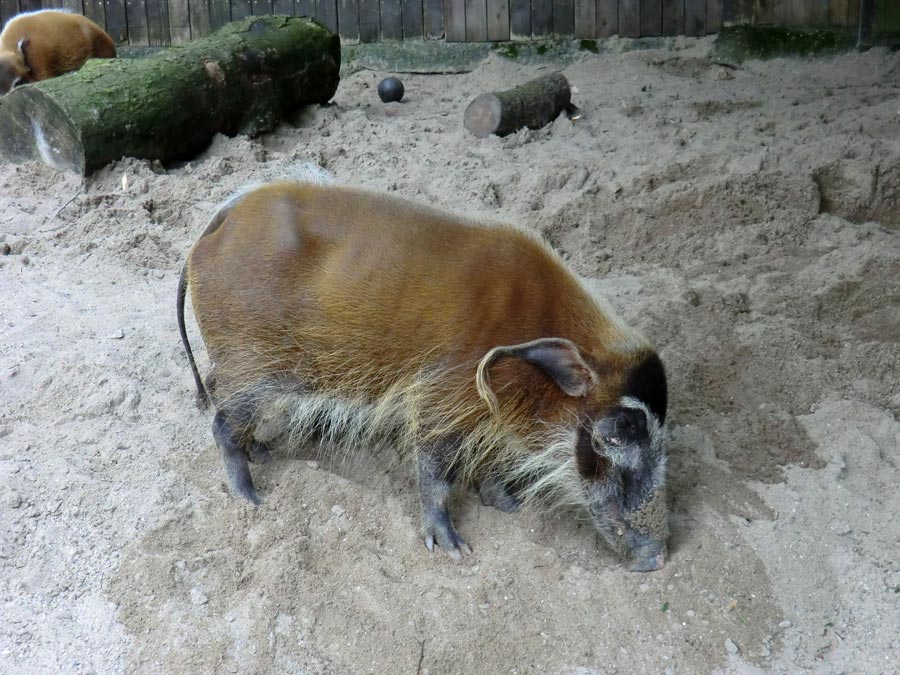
(23, 45)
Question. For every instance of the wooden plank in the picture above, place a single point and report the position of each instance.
(728, 11)
(563, 18)
(541, 18)
(433, 12)
(838, 13)
(781, 10)
(76, 6)
(285, 7)
(116, 21)
(201, 23)
(8, 9)
(31, 6)
(891, 17)
(258, 7)
(520, 19)
(412, 19)
(94, 10)
(630, 17)
(307, 8)
(743, 11)
(179, 22)
(158, 23)
(673, 17)
(651, 18)
(369, 21)
(695, 17)
(219, 13)
(476, 20)
(799, 13)
(817, 13)
(713, 16)
(853, 15)
(136, 12)
(607, 18)
(748, 11)
(763, 12)
(867, 15)
(239, 9)
(455, 20)
(391, 20)
(585, 19)
(498, 20)
(326, 14)
(348, 19)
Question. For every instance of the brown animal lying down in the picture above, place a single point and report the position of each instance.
(39, 45)
(354, 318)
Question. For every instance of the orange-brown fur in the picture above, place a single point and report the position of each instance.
(52, 43)
(353, 291)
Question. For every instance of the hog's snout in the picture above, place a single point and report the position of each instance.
(649, 553)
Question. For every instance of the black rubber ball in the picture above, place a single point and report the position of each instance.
(390, 89)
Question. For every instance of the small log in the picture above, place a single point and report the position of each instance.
(531, 105)
(244, 78)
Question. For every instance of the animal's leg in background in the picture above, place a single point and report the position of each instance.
(435, 485)
(499, 495)
(234, 454)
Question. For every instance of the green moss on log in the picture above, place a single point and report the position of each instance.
(244, 78)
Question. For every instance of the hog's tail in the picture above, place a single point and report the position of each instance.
(202, 395)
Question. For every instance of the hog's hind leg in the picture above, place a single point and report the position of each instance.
(235, 455)
(259, 453)
(435, 486)
(498, 494)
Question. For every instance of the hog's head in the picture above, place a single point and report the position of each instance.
(13, 67)
(620, 446)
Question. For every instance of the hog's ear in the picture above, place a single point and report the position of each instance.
(558, 358)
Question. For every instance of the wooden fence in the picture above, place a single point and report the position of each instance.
(163, 22)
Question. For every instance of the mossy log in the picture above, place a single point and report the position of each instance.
(531, 105)
(241, 79)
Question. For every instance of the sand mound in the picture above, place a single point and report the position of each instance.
(746, 219)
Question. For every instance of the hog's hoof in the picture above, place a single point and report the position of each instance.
(440, 530)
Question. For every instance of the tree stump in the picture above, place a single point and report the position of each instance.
(241, 79)
(531, 105)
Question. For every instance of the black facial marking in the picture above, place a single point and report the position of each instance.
(635, 485)
(590, 465)
(647, 383)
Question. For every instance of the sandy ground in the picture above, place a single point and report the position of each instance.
(746, 219)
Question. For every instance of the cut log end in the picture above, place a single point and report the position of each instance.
(38, 129)
(533, 105)
(483, 116)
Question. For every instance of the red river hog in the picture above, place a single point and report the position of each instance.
(352, 318)
(39, 45)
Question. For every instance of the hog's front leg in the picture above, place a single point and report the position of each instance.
(435, 485)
